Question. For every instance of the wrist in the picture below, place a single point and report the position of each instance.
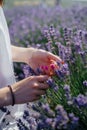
(5, 97)
(12, 95)
(21, 54)
(30, 52)
(8, 98)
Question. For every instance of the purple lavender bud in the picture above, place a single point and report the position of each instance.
(78, 47)
(81, 100)
(71, 115)
(39, 103)
(59, 74)
(52, 30)
(85, 83)
(49, 121)
(56, 88)
(65, 67)
(28, 71)
(35, 108)
(46, 107)
(85, 36)
(67, 88)
(59, 64)
(51, 83)
(66, 34)
(61, 118)
(26, 113)
(80, 34)
(65, 70)
(73, 119)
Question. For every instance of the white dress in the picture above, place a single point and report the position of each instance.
(6, 73)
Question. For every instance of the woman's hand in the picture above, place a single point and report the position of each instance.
(27, 90)
(41, 58)
(36, 58)
(30, 89)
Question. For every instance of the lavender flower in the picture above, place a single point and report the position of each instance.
(81, 100)
(51, 83)
(85, 83)
(61, 118)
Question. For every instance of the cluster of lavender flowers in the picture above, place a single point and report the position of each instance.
(26, 23)
(65, 104)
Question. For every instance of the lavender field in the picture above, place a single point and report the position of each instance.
(62, 31)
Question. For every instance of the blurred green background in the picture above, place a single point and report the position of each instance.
(65, 3)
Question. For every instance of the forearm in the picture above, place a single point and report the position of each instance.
(5, 97)
(21, 54)
(18, 54)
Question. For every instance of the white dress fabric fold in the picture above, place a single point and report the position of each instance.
(7, 73)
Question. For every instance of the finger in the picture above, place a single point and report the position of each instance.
(50, 73)
(43, 86)
(42, 78)
(50, 69)
(41, 92)
(54, 57)
(37, 98)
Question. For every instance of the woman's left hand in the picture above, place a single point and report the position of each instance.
(45, 60)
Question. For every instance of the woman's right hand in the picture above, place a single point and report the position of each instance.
(30, 89)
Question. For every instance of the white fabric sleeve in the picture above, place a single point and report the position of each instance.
(6, 66)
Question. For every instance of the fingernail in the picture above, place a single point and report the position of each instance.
(42, 67)
(62, 62)
(52, 66)
(46, 67)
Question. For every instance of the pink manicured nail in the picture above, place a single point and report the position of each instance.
(42, 67)
(46, 67)
(52, 66)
